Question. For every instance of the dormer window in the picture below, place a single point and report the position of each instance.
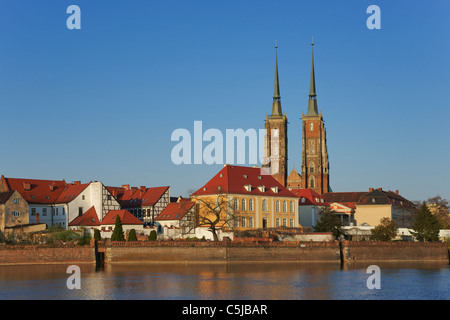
(262, 188)
(274, 189)
(245, 176)
(248, 187)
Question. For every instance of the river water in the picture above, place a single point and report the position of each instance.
(232, 281)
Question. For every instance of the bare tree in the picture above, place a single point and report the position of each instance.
(216, 212)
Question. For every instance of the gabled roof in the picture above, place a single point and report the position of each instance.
(125, 217)
(294, 177)
(35, 191)
(311, 197)
(137, 197)
(70, 192)
(89, 218)
(243, 180)
(176, 210)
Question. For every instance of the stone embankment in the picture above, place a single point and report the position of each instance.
(222, 252)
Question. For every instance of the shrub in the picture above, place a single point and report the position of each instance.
(117, 234)
(152, 236)
(132, 235)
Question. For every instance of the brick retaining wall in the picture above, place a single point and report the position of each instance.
(184, 251)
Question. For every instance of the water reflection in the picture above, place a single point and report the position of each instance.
(255, 281)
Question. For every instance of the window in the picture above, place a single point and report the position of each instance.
(33, 211)
(311, 182)
(15, 213)
(44, 211)
(291, 206)
(291, 223)
(250, 222)
(277, 206)
(243, 222)
(277, 222)
(303, 200)
(16, 200)
(243, 205)
(250, 205)
(236, 204)
(236, 223)
(284, 222)
(284, 206)
(80, 211)
(311, 167)
(83, 197)
(311, 126)
(264, 205)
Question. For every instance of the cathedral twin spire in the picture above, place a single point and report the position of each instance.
(312, 101)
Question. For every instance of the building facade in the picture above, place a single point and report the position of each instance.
(251, 200)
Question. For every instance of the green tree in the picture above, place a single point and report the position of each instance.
(97, 235)
(152, 236)
(329, 222)
(118, 234)
(426, 225)
(385, 231)
(132, 235)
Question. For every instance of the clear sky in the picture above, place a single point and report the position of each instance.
(101, 103)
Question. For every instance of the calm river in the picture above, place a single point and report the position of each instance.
(405, 281)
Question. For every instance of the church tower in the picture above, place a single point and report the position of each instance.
(275, 146)
(315, 166)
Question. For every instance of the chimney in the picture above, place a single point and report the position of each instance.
(380, 189)
(26, 186)
(77, 183)
(37, 218)
(396, 191)
(126, 186)
(370, 189)
(114, 193)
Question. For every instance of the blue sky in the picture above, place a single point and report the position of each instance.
(101, 103)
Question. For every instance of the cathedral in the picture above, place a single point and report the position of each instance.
(314, 173)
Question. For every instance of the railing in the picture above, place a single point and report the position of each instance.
(183, 243)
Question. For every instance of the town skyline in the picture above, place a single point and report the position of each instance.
(100, 103)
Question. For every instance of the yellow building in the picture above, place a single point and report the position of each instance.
(246, 198)
(378, 204)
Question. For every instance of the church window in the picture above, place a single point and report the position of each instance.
(311, 167)
(311, 182)
(311, 126)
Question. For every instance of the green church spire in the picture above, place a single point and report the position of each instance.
(312, 102)
(276, 106)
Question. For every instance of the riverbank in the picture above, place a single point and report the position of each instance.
(223, 252)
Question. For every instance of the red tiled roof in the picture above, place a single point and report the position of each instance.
(234, 179)
(35, 191)
(311, 197)
(89, 218)
(176, 210)
(348, 199)
(70, 192)
(125, 217)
